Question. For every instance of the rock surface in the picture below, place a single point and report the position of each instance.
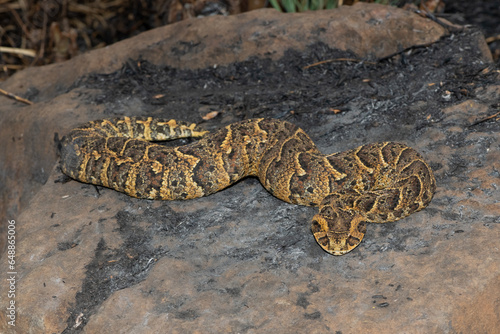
(375, 31)
(96, 261)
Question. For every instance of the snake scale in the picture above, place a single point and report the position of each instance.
(380, 182)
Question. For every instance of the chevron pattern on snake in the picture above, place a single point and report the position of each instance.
(378, 183)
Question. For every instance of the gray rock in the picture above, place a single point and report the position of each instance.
(241, 261)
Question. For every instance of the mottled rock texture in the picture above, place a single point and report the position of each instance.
(241, 261)
(376, 31)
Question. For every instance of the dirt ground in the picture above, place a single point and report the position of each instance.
(483, 14)
(54, 31)
(257, 88)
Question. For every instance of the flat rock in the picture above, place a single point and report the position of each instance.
(90, 259)
(367, 31)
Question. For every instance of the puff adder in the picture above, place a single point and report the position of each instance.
(377, 183)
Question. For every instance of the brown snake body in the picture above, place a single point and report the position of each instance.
(380, 182)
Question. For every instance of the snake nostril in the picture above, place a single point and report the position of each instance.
(324, 241)
(353, 241)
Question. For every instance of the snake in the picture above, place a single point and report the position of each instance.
(373, 183)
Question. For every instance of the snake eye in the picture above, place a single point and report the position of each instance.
(315, 226)
(361, 228)
(327, 211)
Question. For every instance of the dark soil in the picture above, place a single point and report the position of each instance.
(485, 14)
(285, 89)
(57, 31)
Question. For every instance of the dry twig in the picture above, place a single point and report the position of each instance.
(15, 97)
(24, 52)
(485, 119)
(337, 59)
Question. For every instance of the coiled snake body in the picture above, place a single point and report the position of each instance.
(380, 182)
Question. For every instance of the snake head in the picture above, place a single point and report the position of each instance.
(338, 231)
